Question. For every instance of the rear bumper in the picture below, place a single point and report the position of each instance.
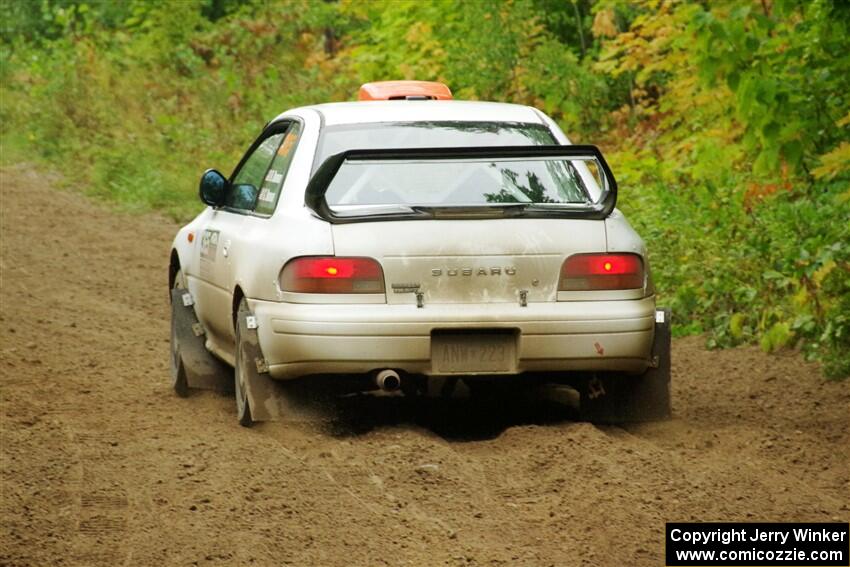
(302, 339)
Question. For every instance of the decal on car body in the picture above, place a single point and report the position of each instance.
(209, 245)
(274, 176)
(266, 195)
(494, 271)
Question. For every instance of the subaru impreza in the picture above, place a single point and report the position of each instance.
(411, 242)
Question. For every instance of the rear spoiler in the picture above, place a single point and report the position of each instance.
(314, 196)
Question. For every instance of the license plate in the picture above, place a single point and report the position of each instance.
(469, 353)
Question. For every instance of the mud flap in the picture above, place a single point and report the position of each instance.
(619, 398)
(266, 396)
(201, 370)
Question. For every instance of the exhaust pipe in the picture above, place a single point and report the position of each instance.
(388, 380)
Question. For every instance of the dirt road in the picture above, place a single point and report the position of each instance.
(103, 465)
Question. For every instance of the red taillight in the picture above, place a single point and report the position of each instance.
(585, 272)
(330, 274)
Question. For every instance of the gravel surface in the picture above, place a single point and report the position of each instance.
(103, 465)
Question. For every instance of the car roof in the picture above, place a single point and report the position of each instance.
(337, 113)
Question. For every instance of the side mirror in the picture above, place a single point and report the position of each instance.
(212, 187)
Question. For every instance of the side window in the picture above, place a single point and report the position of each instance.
(273, 182)
(246, 185)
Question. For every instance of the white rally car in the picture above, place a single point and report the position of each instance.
(409, 241)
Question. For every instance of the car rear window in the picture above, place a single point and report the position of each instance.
(448, 182)
(399, 135)
(460, 182)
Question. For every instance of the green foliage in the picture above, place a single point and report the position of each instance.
(135, 108)
(789, 70)
(726, 122)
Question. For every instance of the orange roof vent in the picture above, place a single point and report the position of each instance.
(404, 90)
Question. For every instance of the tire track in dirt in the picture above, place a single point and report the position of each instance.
(103, 465)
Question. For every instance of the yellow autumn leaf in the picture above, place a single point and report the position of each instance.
(736, 325)
(603, 23)
(833, 163)
(823, 271)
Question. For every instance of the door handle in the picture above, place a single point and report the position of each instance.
(225, 250)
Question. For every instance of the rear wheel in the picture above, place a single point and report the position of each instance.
(242, 368)
(179, 380)
(619, 397)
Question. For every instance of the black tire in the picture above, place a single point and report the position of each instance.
(622, 398)
(242, 369)
(179, 380)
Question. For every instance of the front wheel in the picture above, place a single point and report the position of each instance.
(179, 380)
(242, 368)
